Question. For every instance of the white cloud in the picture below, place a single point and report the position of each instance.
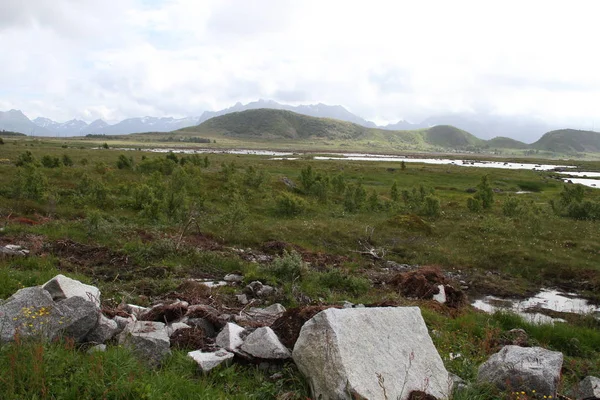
(383, 60)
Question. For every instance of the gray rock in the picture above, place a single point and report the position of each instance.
(587, 389)
(99, 348)
(80, 316)
(104, 330)
(348, 304)
(523, 369)
(440, 297)
(122, 322)
(257, 289)
(136, 311)
(230, 337)
(13, 250)
(242, 299)
(61, 287)
(233, 278)
(148, 340)
(360, 352)
(207, 361)
(171, 328)
(457, 383)
(263, 343)
(204, 324)
(18, 311)
(273, 311)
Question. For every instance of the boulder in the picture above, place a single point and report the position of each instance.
(13, 250)
(263, 343)
(136, 311)
(79, 317)
(233, 278)
(207, 361)
(257, 289)
(171, 328)
(29, 311)
(104, 330)
(61, 287)
(207, 327)
(122, 322)
(148, 340)
(99, 348)
(587, 389)
(230, 337)
(372, 353)
(517, 368)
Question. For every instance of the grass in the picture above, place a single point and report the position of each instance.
(134, 232)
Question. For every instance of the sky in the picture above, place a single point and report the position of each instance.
(382, 60)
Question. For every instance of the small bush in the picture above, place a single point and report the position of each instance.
(474, 204)
(124, 163)
(289, 267)
(431, 207)
(67, 161)
(289, 205)
(50, 162)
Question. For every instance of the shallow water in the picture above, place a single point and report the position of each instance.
(547, 299)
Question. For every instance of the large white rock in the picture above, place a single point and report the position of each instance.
(373, 353)
(62, 287)
(263, 343)
(207, 361)
(523, 369)
(587, 389)
(148, 339)
(80, 316)
(173, 327)
(230, 337)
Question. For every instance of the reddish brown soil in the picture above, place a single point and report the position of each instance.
(421, 283)
(165, 313)
(419, 395)
(190, 339)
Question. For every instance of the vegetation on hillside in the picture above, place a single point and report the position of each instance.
(569, 141)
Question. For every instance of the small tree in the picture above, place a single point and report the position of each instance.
(485, 194)
(402, 165)
(395, 194)
(67, 161)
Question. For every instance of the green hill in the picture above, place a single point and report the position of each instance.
(282, 124)
(502, 142)
(10, 133)
(449, 136)
(569, 141)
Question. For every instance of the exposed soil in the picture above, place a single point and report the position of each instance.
(165, 313)
(421, 283)
(287, 327)
(190, 339)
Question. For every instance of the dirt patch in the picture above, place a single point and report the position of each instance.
(29, 241)
(420, 395)
(276, 247)
(190, 339)
(193, 292)
(165, 313)
(287, 327)
(97, 261)
(421, 283)
(203, 241)
(455, 298)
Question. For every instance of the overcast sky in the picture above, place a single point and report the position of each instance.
(383, 60)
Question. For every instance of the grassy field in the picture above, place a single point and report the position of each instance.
(79, 209)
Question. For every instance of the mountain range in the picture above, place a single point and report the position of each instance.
(486, 126)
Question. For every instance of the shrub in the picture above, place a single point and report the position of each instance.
(288, 204)
(25, 159)
(289, 267)
(431, 207)
(474, 204)
(31, 184)
(67, 161)
(124, 163)
(485, 194)
(1, 141)
(50, 162)
(511, 207)
(395, 194)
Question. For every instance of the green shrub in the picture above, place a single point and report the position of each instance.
(289, 205)
(30, 183)
(25, 159)
(431, 207)
(485, 194)
(124, 163)
(50, 162)
(512, 207)
(289, 267)
(67, 160)
(474, 204)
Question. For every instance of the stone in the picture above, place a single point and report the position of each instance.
(263, 343)
(440, 297)
(587, 389)
(273, 311)
(136, 311)
(122, 322)
(13, 250)
(61, 287)
(207, 361)
(347, 304)
(517, 368)
(230, 337)
(233, 278)
(80, 316)
(18, 311)
(148, 340)
(99, 348)
(207, 327)
(242, 299)
(351, 353)
(171, 328)
(257, 289)
(104, 330)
